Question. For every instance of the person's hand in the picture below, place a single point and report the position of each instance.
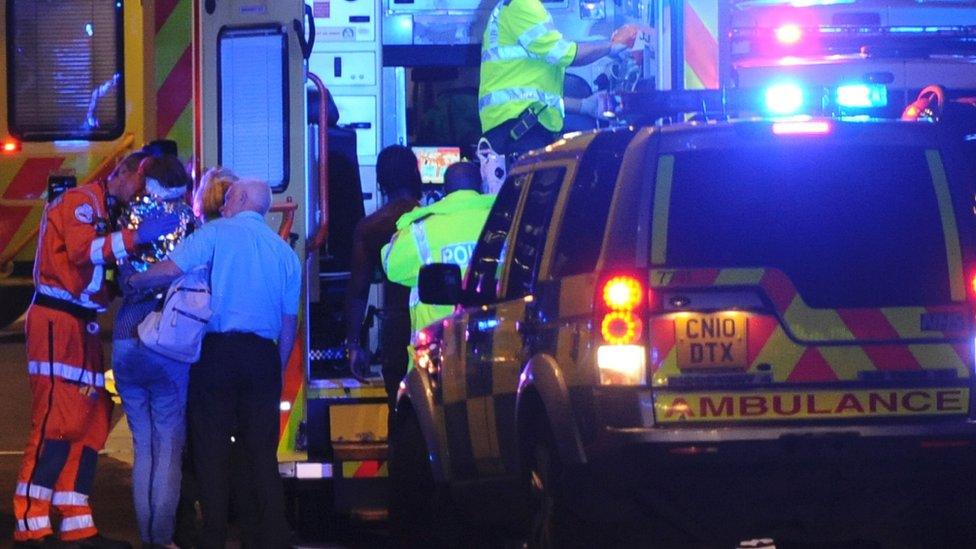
(125, 272)
(151, 229)
(358, 361)
(618, 50)
(597, 106)
(624, 36)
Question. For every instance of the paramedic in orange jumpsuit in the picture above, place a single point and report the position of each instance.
(70, 408)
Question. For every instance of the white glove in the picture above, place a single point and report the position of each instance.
(597, 106)
(618, 50)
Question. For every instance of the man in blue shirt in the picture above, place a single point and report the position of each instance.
(255, 282)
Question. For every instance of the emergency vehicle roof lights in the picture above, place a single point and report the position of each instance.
(789, 34)
(783, 99)
(802, 127)
(11, 146)
(862, 96)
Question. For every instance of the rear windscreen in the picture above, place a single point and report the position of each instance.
(857, 226)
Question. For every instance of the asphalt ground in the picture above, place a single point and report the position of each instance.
(111, 497)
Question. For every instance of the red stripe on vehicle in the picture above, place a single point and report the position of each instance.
(779, 289)
(812, 367)
(701, 49)
(367, 469)
(11, 218)
(662, 341)
(31, 179)
(175, 94)
(758, 332)
(868, 324)
(892, 358)
(291, 383)
(164, 8)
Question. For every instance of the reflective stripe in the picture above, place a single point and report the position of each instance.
(389, 250)
(505, 53)
(420, 236)
(36, 492)
(492, 27)
(70, 524)
(558, 51)
(95, 251)
(96, 281)
(64, 371)
(33, 523)
(70, 498)
(61, 293)
(536, 32)
(414, 297)
(118, 246)
(501, 97)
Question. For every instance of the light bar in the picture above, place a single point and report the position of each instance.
(862, 96)
(789, 34)
(784, 99)
(806, 127)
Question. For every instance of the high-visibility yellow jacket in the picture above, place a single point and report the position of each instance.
(444, 232)
(523, 63)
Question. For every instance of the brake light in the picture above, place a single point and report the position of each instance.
(806, 127)
(621, 304)
(11, 146)
(788, 34)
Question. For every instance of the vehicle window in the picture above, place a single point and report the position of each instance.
(584, 220)
(64, 69)
(530, 236)
(488, 258)
(851, 226)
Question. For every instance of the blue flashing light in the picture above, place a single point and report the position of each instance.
(862, 96)
(784, 99)
(89, 30)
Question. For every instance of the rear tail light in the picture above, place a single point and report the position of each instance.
(11, 146)
(621, 305)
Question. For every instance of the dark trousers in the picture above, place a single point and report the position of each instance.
(235, 390)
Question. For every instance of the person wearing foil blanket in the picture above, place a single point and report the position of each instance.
(153, 387)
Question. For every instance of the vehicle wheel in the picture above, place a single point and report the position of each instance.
(554, 523)
(15, 300)
(421, 513)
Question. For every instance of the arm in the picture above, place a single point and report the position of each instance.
(357, 293)
(286, 338)
(588, 52)
(158, 276)
(84, 245)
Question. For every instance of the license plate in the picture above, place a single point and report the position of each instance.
(711, 340)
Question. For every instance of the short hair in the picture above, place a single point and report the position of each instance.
(462, 176)
(397, 169)
(209, 196)
(258, 194)
(167, 169)
(130, 163)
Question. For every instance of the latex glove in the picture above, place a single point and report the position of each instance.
(618, 50)
(151, 229)
(625, 35)
(597, 106)
(358, 361)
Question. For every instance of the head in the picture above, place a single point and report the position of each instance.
(209, 196)
(165, 176)
(397, 173)
(462, 176)
(246, 195)
(124, 183)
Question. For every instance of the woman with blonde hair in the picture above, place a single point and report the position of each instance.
(209, 195)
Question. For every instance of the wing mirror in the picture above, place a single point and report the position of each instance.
(439, 284)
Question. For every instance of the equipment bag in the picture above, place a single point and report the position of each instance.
(176, 331)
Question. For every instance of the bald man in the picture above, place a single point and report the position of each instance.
(255, 282)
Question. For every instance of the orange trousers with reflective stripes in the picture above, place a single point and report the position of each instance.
(70, 413)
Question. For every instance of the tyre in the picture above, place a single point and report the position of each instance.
(421, 513)
(14, 300)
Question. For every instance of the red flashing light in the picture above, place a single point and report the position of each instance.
(972, 285)
(623, 293)
(789, 34)
(11, 146)
(817, 127)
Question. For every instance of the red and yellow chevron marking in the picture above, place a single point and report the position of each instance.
(768, 341)
(365, 469)
(293, 392)
(174, 72)
(701, 44)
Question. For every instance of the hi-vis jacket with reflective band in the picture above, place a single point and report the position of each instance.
(523, 63)
(444, 232)
(72, 255)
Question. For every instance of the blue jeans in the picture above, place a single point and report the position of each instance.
(153, 390)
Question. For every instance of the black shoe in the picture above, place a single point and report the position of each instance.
(47, 542)
(98, 542)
